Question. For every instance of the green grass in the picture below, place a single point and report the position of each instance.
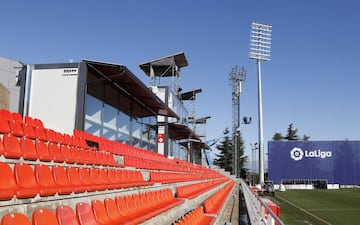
(318, 207)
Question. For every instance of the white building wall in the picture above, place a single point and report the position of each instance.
(52, 97)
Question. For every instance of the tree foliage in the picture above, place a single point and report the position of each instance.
(225, 159)
(292, 135)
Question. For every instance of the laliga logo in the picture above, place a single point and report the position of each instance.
(298, 154)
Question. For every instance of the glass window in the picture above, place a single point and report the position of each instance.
(123, 122)
(110, 115)
(93, 109)
(106, 121)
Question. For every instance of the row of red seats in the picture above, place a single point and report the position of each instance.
(129, 209)
(193, 190)
(170, 177)
(24, 181)
(196, 217)
(12, 147)
(144, 159)
(214, 204)
(150, 164)
(13, 123)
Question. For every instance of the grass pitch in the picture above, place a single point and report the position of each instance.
(319, 207)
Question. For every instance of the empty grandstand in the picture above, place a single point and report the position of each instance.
(88, 143)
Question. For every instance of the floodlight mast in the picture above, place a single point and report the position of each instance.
(237, 76)
(260, 42)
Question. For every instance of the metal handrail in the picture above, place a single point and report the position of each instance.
(259, 213)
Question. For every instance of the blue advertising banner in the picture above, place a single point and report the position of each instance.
(338, 162)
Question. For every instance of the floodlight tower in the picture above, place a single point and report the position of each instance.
(260, 42)
(237, 76)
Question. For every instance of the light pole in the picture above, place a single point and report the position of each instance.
(253, 150)
(260, 41)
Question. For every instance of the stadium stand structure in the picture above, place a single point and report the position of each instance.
(59, 179)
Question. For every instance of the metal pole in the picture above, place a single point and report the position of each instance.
(261, 138)
(235, 154)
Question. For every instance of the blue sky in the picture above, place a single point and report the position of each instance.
(311, 81)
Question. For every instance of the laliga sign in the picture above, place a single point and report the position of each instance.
(298, 154)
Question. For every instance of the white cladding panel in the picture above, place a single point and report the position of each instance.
(53, 97)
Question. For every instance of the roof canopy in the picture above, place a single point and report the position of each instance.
(190, 95)
(163, 67)
(118, 86)
(183, 132)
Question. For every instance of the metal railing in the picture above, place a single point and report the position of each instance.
(259, 213)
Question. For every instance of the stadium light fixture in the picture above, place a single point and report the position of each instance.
(260, 42)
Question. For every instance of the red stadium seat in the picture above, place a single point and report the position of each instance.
(85, 156)
(84, 174)
(51, 135)
(8, 186)
(16, 128)
(100, 213)
(76, 156)
(24, 177)
(55, 153)
(96, 179)
(67, 139)
(66, 216)
(45, 179)
(16, 116)
(15, 219)
(28, 149)
(113, 211)
(85, 214)
(2, 149)
(66, 153)
(59, 138)
(4, 126)
(62, 180)
(29, 120)
(38, 123)
(43, 151)
(40, 133)
(44, 217)
(29, 131)
(74, 179)
(6, 114)
(12, 147)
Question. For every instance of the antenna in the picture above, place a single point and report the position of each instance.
(236, 77)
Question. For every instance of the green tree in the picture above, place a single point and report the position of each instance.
(242, 159)
(292, 135)
(225, 158)
(277, 137)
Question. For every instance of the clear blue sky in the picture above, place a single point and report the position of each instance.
(312, 80)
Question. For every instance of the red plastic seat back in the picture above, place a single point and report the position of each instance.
(111, 209)
(44, 217)
(16, 128)
(8, 185)
(42, 150)
(12, 147)
(85, 214)
(28, 149)
(15, 219)
(44, 176)
(66, 216)
(24, 176)
(4, 126)
(55, 152)
(100, 212)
